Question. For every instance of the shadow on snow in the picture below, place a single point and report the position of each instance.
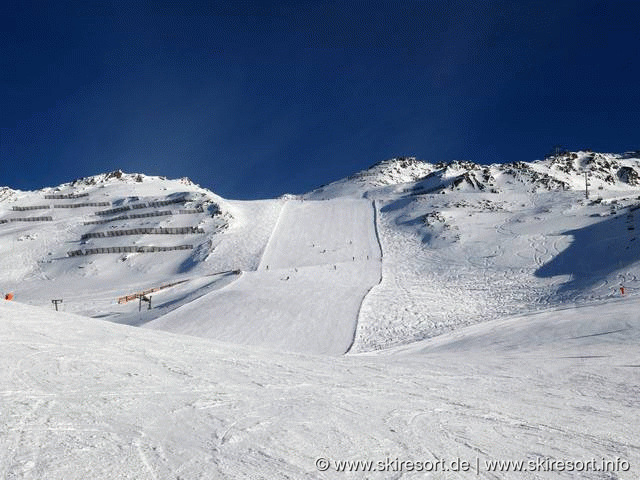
(597, 251)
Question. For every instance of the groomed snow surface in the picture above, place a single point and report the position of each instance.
(83, 398)
(321, 260)
(480, 309)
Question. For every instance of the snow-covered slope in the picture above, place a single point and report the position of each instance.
(321, 260)
(63, 231)
(460, 243)
(564, 171)
(466, 243)
(248, 272)
(388, 172)
(481, 307)
(94, 240)
(83, 398)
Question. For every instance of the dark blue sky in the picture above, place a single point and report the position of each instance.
(254, 99)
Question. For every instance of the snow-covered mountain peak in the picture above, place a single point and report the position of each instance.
(5, 192)
(109, 177)
(116, 228)
(564, 171)
(433, 250)
(122, 187)
(131, 231)
(604, 171)
(122, 177)
(394, 171)
(385, 173)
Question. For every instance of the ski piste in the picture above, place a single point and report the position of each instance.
(463, 293)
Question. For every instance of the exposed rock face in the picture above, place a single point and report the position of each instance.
(564, 171)
(628, 175)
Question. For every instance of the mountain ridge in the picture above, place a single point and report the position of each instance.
(462, 243)
(564, 171)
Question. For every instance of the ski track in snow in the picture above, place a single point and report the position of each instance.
(381, 258)
(273, 232)
(90, 399)
(479, 261)
(319, 263)
(488, 273)
(477, 325)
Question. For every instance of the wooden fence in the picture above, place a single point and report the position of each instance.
(158, 213)
(112, 211)
(162, 203)
(133, 296)
(128, 249)
(71, 205)
(128, 298)
(86, 204)
(33, 207)
(186, 211)
(30, 219)
(63, 196)
(144, 231)
(137, 206)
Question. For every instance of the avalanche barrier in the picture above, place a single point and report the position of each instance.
(162, 203)
(189, 210)
(144, 231)
(34, 207)
(127, 217)
(63, 196)
(111, 211)
(29, 219)
(128, 249)
(86, 204)
(137, 206)
(145, 215)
